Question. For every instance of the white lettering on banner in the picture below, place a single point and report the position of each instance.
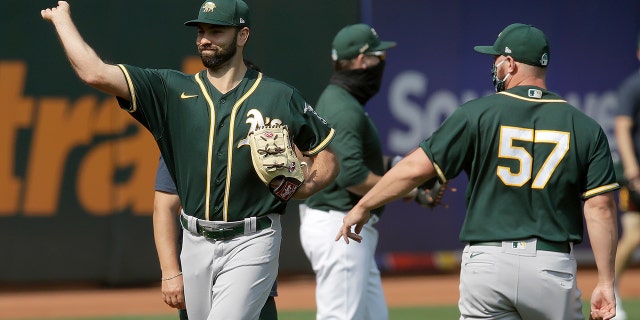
(406, 85)
(420, 113)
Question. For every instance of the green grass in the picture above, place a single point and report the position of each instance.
(446, 312)
(631, 306)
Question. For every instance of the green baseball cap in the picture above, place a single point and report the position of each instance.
(522, 42)
(355, 39)
(222, 12)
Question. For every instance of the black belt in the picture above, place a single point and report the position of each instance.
(544, 245)
(226, 233)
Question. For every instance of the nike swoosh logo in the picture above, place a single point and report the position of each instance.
(185, 96)
(475, 254)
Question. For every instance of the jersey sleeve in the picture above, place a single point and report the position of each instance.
(312, 132)
(601, 176)
(164, 182)
(449, 148)
(148, 97)
(348, 148)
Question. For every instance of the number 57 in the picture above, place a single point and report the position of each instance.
(509, 151)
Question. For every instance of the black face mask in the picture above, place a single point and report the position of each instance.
(361, 83)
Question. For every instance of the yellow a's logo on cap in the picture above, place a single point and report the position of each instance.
(208, 7)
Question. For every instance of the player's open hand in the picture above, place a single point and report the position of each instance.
(52, 13)
(358, 217)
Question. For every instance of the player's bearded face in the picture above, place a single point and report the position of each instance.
(216, 56)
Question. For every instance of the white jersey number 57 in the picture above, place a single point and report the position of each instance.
(507, 150)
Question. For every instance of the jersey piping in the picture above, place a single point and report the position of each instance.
(234, 111)
(439, 172)
(212, 120)
(529, 99)
(599, 190)
(323, 144)
(132, 91)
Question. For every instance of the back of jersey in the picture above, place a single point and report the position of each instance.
(530, 157)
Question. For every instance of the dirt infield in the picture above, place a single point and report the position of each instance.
(295, 294)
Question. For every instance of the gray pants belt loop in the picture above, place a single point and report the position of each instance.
(192, 223)
(250, 225)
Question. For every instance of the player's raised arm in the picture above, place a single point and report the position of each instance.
(86, 63)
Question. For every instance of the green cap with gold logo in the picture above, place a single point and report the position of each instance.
(523, 42)
(233, 13)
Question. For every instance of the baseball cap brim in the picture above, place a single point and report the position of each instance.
(486, 50)
(384, 45)
(195, 22)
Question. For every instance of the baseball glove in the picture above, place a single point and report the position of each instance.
(275, 161)
(430, 193)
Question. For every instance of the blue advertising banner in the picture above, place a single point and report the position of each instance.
(434, 69)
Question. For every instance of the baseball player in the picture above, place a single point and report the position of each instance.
(530, 158)
(359, 61)
(201, 123)
(166, 205)
(627, 134)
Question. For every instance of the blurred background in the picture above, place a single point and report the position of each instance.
(77, 173)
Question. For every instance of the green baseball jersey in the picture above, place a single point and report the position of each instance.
(357, 147)
(531, 159)
(202, 135)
